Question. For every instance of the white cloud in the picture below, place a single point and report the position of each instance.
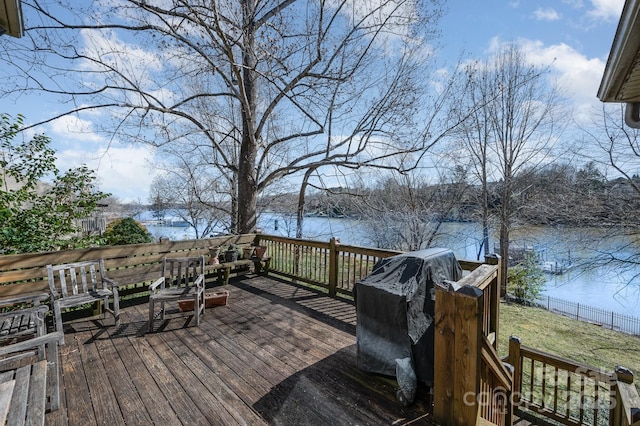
(110, 49)
(578, 76)
(549, 14)
(123, 171)
(576, 4)
(609, 10)
(74, 128)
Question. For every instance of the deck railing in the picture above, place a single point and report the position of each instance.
(471, 382)
(330, 265)
(569, 392)
(132, 266)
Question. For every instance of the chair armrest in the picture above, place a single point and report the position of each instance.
(35, 298)
(200, 281)
(55, 337)
(156, 283)
(40, 309)
(111, 282)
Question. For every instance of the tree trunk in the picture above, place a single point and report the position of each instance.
(485, 213)
(233, 227)
(504, 253)
(505, 226)
(247, 187)
(301, 202)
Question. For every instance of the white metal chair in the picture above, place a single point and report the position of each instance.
(182, 279)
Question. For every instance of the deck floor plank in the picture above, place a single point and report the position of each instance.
(175, 353)
(103, 400)
(129, 399)
(277, 354)
(225, 399)
(342, 369)
(155, 403)
(211, 392)
(163, 369)
(79, 410)
(331, 383)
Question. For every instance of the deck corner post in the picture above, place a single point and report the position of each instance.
(333, 266)
(515, 361)
(626, 410)
(457, 345)
(495, 294)
(444, 348)
(496, 259)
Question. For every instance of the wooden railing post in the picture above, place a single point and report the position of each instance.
(626, 411)
(458, 331)
(516, 362)
(333, 266)
(444, 352)
(495, 259)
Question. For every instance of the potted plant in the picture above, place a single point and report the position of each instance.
(211, 299)
(260, 251)
(214, 252)
(231, 255)
(248, 252)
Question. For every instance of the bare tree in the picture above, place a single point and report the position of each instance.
(514, 125)
(406, 211)
(192, 196)
(621, 148)
(272, 88)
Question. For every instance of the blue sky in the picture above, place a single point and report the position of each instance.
(572, 37)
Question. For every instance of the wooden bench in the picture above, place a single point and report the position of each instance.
(30, 381)
(224, 269)
(25, 322)
(23, 395)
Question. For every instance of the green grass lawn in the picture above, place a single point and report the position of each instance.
(568, 338)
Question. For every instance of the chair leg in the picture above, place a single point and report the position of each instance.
(58, 315)
(116, 306)
(196, 307)
(201, 308)
(105, 308)
(150, 325)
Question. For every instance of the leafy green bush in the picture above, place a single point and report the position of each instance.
(126, 231)
(525, 281)
(34, 215)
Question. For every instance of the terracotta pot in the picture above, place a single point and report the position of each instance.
(211, 299)
(260, 251)
(247, 252)
(214, 252)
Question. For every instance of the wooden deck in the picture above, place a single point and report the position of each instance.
(276, 354)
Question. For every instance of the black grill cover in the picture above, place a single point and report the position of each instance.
(395, 308)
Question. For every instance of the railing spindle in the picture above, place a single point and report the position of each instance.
(581, 399)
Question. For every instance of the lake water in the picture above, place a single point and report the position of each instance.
(585, 283)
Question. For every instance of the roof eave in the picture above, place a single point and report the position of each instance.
(11, 22)
(623, 55)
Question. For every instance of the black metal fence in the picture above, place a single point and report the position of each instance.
(586, 313)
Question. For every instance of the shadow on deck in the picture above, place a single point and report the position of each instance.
(276, 354)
